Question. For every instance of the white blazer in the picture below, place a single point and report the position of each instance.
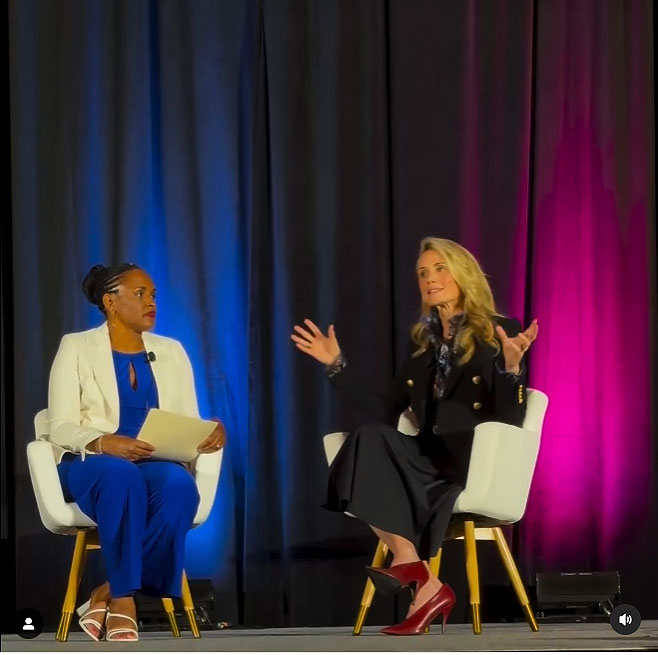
(83, 397)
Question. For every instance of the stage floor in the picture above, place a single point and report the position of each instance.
(513, 637)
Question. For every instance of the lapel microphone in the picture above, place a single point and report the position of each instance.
(149, 357)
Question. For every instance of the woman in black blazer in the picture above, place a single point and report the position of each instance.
(467, 369)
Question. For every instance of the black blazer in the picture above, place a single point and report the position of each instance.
(476, 392)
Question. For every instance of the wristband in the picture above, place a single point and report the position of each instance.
(336, 366)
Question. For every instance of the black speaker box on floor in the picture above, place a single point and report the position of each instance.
(152, 617)
(577, 597)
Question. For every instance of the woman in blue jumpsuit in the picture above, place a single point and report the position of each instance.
(143, 506)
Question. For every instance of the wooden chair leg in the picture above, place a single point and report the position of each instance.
(513, 573)
(369, 591)
(188, 606)
(472, 574)
(435, 563)
(75, 575)
(168, 606)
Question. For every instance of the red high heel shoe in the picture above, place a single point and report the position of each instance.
(441, 603)
(391, 580)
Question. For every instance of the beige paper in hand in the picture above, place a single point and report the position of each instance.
(175, 437)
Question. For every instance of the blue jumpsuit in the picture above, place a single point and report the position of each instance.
(143, 509)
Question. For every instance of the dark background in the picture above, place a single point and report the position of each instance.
(270, 161)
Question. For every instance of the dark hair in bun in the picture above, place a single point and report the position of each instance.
(103, 279)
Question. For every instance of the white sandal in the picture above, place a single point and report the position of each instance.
(109, 635)
(84, 613)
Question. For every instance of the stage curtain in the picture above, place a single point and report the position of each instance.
(272, 161)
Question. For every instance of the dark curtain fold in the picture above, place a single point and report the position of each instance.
(460, 87)
(272, 161)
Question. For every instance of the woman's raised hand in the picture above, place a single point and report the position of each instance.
(515, 347)
(312, 342)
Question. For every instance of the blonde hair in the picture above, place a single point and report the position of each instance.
(477, 300)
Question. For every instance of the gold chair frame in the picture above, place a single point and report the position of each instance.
(471, 534)
(87, 540)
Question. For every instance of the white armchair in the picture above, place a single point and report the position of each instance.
(63, 517)
(500, 472)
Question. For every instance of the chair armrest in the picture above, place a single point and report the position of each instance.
(332, 444)
(56, 514)
(206, 475)
(500, 471)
